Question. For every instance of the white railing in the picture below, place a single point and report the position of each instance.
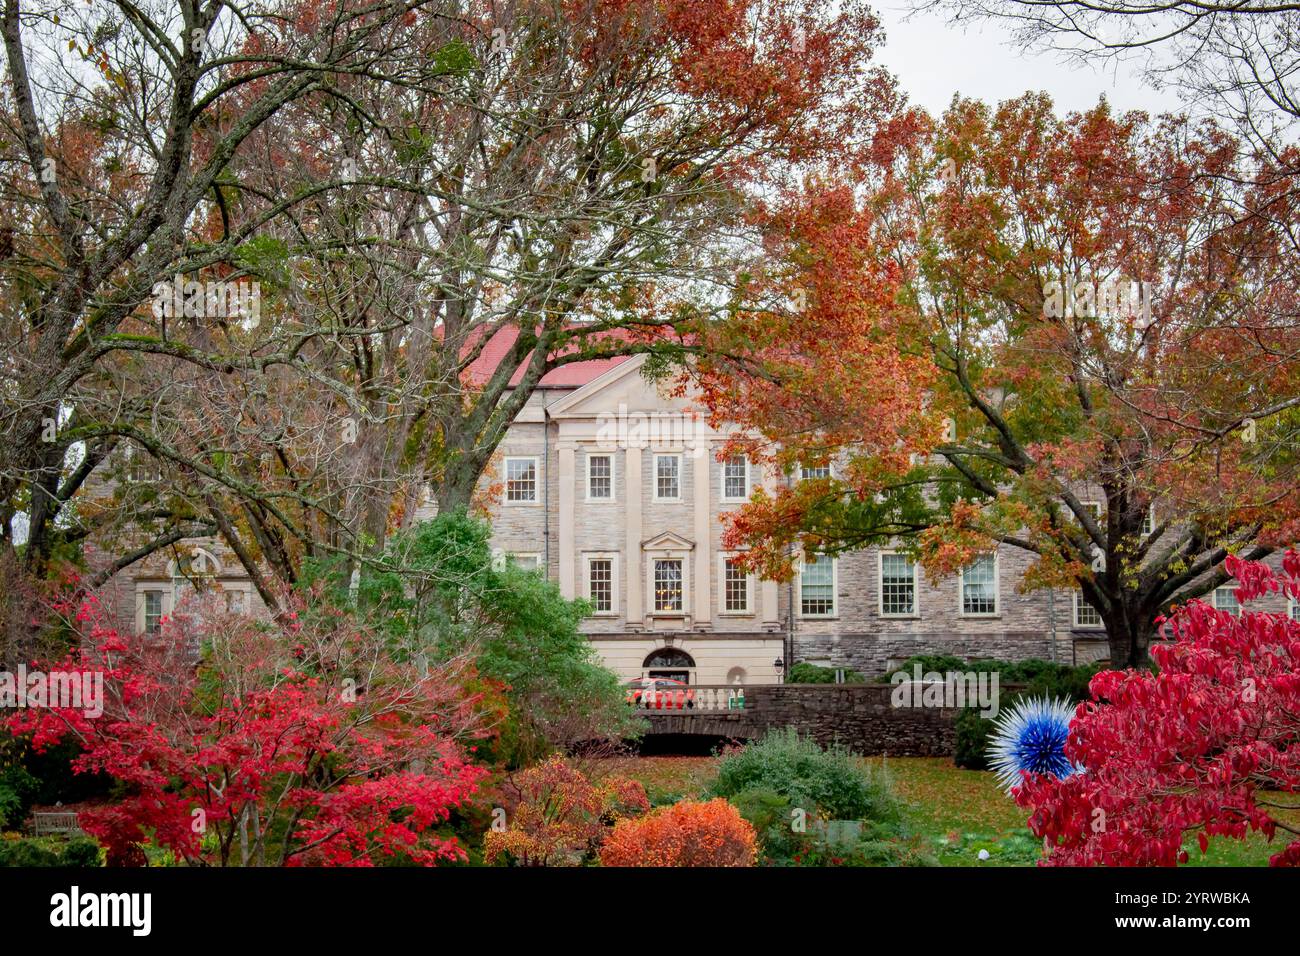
(693, 698)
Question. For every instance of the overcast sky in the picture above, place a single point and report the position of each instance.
(934, 59)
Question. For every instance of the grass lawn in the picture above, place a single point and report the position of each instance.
(955, 812)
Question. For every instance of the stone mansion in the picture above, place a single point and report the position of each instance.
(616, 492)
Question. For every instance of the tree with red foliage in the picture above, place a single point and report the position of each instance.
(1207, 746)
(684, 834)
(559, 817)
(316, 744)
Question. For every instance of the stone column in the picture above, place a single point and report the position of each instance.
(566, 519)
(768, 599)
(632, 576)
(702, 455)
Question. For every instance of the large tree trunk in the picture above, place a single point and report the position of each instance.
(1129, 632)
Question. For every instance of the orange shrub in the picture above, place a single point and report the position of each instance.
(559, 816)
(685, 834)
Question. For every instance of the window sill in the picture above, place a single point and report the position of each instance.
(900, 617)
(980, 617)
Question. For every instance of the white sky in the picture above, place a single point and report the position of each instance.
(933, 59)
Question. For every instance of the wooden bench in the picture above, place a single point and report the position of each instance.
(46, 823)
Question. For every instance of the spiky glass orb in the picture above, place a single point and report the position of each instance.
(1031, 736)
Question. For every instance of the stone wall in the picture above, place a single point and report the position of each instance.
(860, 716)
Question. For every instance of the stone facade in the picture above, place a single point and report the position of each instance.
(628, 423)
(608, 528)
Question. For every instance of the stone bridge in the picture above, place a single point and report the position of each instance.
(859, 716)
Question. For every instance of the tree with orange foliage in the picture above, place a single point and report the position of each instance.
(559, 817)
(441, 203)
(1097, 316)
(684, 834)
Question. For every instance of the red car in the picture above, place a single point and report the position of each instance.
(660, 693)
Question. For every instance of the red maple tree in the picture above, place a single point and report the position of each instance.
(312, 744)
(1206, 746)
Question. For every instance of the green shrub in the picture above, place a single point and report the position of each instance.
(833, 783)
(929, 662)
(46, 777)
(1039, 678)
(17, 788)
(971, 749)
(49, 852)
(772, 817)
(805, 673)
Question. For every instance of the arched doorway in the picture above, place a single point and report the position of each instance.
(670, 662)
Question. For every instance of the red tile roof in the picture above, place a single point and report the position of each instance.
(572, 375)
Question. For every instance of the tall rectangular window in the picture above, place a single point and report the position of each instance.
(521, 480)
(817, 586)
(735, 587)
(668, 584)
(897, 586)
(1085, 615)
(600, 477)
(600, 584)
(236, 602)
(668, 477)
(153, 611)
(979, 586)
(1225, 599)
(735, 478)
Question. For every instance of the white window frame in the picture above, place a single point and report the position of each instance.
(835, 590)
(1080, 625)
(1291, 608)
(650, 558)
(613, 477)
(612, 558)
(239, 587)
(997, 591)
(722, 482)
(1214, 599)
(533, 502)
(915, 613)
(830, 471)
(164, 588)
(654, 475)
(723, 558)
(535, 555)
(1098, 509)
(1148, 519)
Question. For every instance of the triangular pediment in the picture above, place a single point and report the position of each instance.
(621, 389)
(667, 541)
